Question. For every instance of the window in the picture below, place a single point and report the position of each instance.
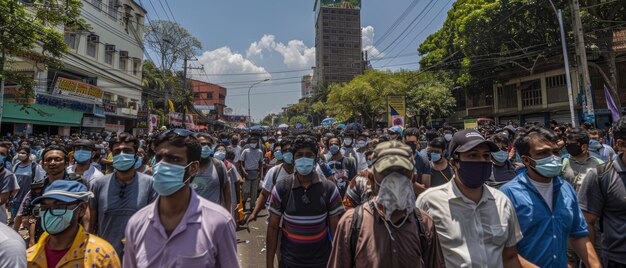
(108, 58)
(122, 64)
(92, 49)
(209, 96)
(112, 9)
(96, 3)
(135, 67)
(531, 93)
(557, 89)
(71, 40)
(507, 97)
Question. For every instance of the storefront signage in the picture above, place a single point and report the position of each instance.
(63, 103)
(153, 122)
(109, 107)
(142, 122)
(13, 93)
(98, 111)
(94, 122)
(114, 128)
(77, 89)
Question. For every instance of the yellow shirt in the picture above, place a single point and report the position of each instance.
(87, 250)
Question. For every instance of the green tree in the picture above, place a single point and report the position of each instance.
(152, 78)
(170, 41)
(30, 32)
(428, 94)
(364, 98)
(302, 119)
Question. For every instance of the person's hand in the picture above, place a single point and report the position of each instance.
(251, 218)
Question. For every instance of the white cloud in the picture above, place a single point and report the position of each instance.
(224, 61)
(295, 53)
(367, 38)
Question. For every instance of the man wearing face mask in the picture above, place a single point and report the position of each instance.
(212, 181)
(388, 230)
(65, 243)
(344, 168)
(252, 169)
(503, 169)
(120, 194)
(546, 205)
(600, 150)
(309, 206)
(9, 185)
(84, 151)
(179, 229)
(477, 224)
(349, 151)
(580, 161)
(440, 172)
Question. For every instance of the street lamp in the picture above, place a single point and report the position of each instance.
(250, 117)
(559, 15)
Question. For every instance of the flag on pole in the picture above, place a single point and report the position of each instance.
(171, 104)
(610, 103)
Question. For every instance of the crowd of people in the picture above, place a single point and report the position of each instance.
(496, 196)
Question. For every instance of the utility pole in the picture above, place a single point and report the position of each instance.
(185, 68)
(583, 68)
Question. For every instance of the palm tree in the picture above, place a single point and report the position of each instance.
(152, 78)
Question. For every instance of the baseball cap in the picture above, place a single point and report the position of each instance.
(65, 191)
(86, 143)
(392, 154)
(468, 139)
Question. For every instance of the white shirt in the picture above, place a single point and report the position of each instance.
(471, 234)
(268, 183)
(237, 152)
(89, 174)
(545, 190)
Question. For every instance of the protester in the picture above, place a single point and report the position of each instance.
(388, 231)
(120, 194)
(477, 224)
(503, 168)
(212, 181)
(65, 243)
(601, 196)
(309, 208)
(251, 163)
(440, 170)
(84, 152)
(546, 205)
(179, 229)
(344, 168)
(12, 252)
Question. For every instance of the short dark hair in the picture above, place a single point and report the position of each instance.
(230, 154)
(411, 132)
(24, 148)
(55, 147)
(190, 142)
(532, 133)
(579, 135)
(206, 136)
(499, 138)
(124, 137)
(304, 141)
(619, 130)
(6, 144)
(439, 143)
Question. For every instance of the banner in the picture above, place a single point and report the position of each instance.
(610, 103)
(470, 123)
(396, 111)
(176, 120)
(153, 122)
(77, 89)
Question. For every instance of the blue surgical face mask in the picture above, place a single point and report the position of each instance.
(56, 224)
(505, 134)
(278, 155)
(595, 145)
(304, 165)
(168, 178)
(435, 157)
(220, 155)
(288, 158)
(447, 136)
(253, 145)
(82, 156)
(500, 156)
(206, 151)
(333, 149)
(369, 163)
(548, 167)
(138, 163)
(123, 162)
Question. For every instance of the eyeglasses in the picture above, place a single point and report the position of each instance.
(58, 210)
(122, 190)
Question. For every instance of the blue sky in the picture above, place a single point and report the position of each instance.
(249, 40)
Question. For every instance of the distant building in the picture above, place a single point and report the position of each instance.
(307, 86)
(209, 99)
(338, 45)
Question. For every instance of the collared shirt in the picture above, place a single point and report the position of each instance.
(89, 175)
(87, 250)
(471, 234)
(205, 237)
(574, 172)
(375, 246)
(546, 232)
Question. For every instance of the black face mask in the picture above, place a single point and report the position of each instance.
(574, 149)
(413, 146)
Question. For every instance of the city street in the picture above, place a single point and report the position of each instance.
(251, 246)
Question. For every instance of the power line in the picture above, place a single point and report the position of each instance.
(396, 23)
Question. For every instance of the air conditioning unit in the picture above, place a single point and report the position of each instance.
(93, 38)
(109, 48)
(123, 54)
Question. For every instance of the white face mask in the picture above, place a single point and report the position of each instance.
(396, 193)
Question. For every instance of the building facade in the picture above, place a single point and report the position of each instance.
(306, 87)
(338, 44)
(209, 99)
(99, 86)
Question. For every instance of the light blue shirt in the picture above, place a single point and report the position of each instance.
(546, 233)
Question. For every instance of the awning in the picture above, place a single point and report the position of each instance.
(51, 115)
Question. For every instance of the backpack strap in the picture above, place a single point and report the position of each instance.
(604, 176)
(355, 230)
(276, 173)
(421, 230)
(221, 173)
